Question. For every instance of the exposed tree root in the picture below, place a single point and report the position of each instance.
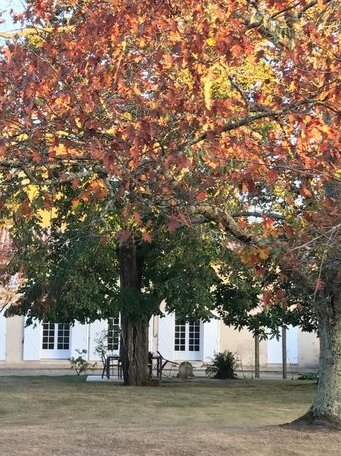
(314, 422)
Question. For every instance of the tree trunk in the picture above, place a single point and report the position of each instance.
(134, 326)
(134, 351)
(257, 371)
(326, 408)
(284, 354)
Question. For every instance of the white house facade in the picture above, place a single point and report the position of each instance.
(198, 342)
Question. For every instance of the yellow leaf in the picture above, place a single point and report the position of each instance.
(127, 116)
(208, 91)
(111, 131)
(264, 253)
(58, 150)
(315, 134)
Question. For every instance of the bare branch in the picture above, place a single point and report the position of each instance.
(226, 220)
(257, 214)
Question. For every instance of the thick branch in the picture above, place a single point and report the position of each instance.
(246, 121)
(226, 220)
(257, 215)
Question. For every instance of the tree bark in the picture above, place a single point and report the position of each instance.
(134, 351)
(134, 326)
(326, 408)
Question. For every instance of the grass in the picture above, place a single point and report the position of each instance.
(67, 416)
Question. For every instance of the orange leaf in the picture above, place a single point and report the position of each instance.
(264, 253)
(147, 237)
(304, 191)
(137, 217)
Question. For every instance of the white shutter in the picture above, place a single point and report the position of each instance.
(166, 336)
(32, 341)
(274, 351)
(79, 339)
(292, 345)
(275, 348)
(3, 326)
(210, 339)
(96, 329)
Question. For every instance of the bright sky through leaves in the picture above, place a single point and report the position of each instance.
(5, 7)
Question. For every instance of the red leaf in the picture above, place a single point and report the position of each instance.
(137, 217)
(123, 236)
(267, 295)
(173, 224)
(201, 196)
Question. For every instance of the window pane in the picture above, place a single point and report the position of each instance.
(194, 336)
(180, 336)
(48, 336)
(63, 336)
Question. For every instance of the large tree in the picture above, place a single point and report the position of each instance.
(223, 112)
(70, 262)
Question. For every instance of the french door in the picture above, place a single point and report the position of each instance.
(55, 340)
(187, 340)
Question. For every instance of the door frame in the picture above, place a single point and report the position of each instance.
(188, 355)
(55, 353)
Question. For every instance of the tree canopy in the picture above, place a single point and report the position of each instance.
(222, 112)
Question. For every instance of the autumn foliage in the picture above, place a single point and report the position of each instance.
(225, 112)
(180, 102)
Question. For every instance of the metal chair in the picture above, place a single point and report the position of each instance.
(111, 362)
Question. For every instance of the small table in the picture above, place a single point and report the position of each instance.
(111, 361)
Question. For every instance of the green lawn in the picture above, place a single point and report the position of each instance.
(67, 416)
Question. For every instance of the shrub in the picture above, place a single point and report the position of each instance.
(80, 364)
(308, 376)
(224, 365)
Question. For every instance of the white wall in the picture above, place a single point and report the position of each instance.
(95, 329)
(79, 339)
(210, 339)
(3, 328)
(166, 336)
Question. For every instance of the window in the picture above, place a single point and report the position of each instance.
(187, 336)
(114, 334)
(48, 336)
(180, 336)
(63, 336)
(56, 336)
(194, 336)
